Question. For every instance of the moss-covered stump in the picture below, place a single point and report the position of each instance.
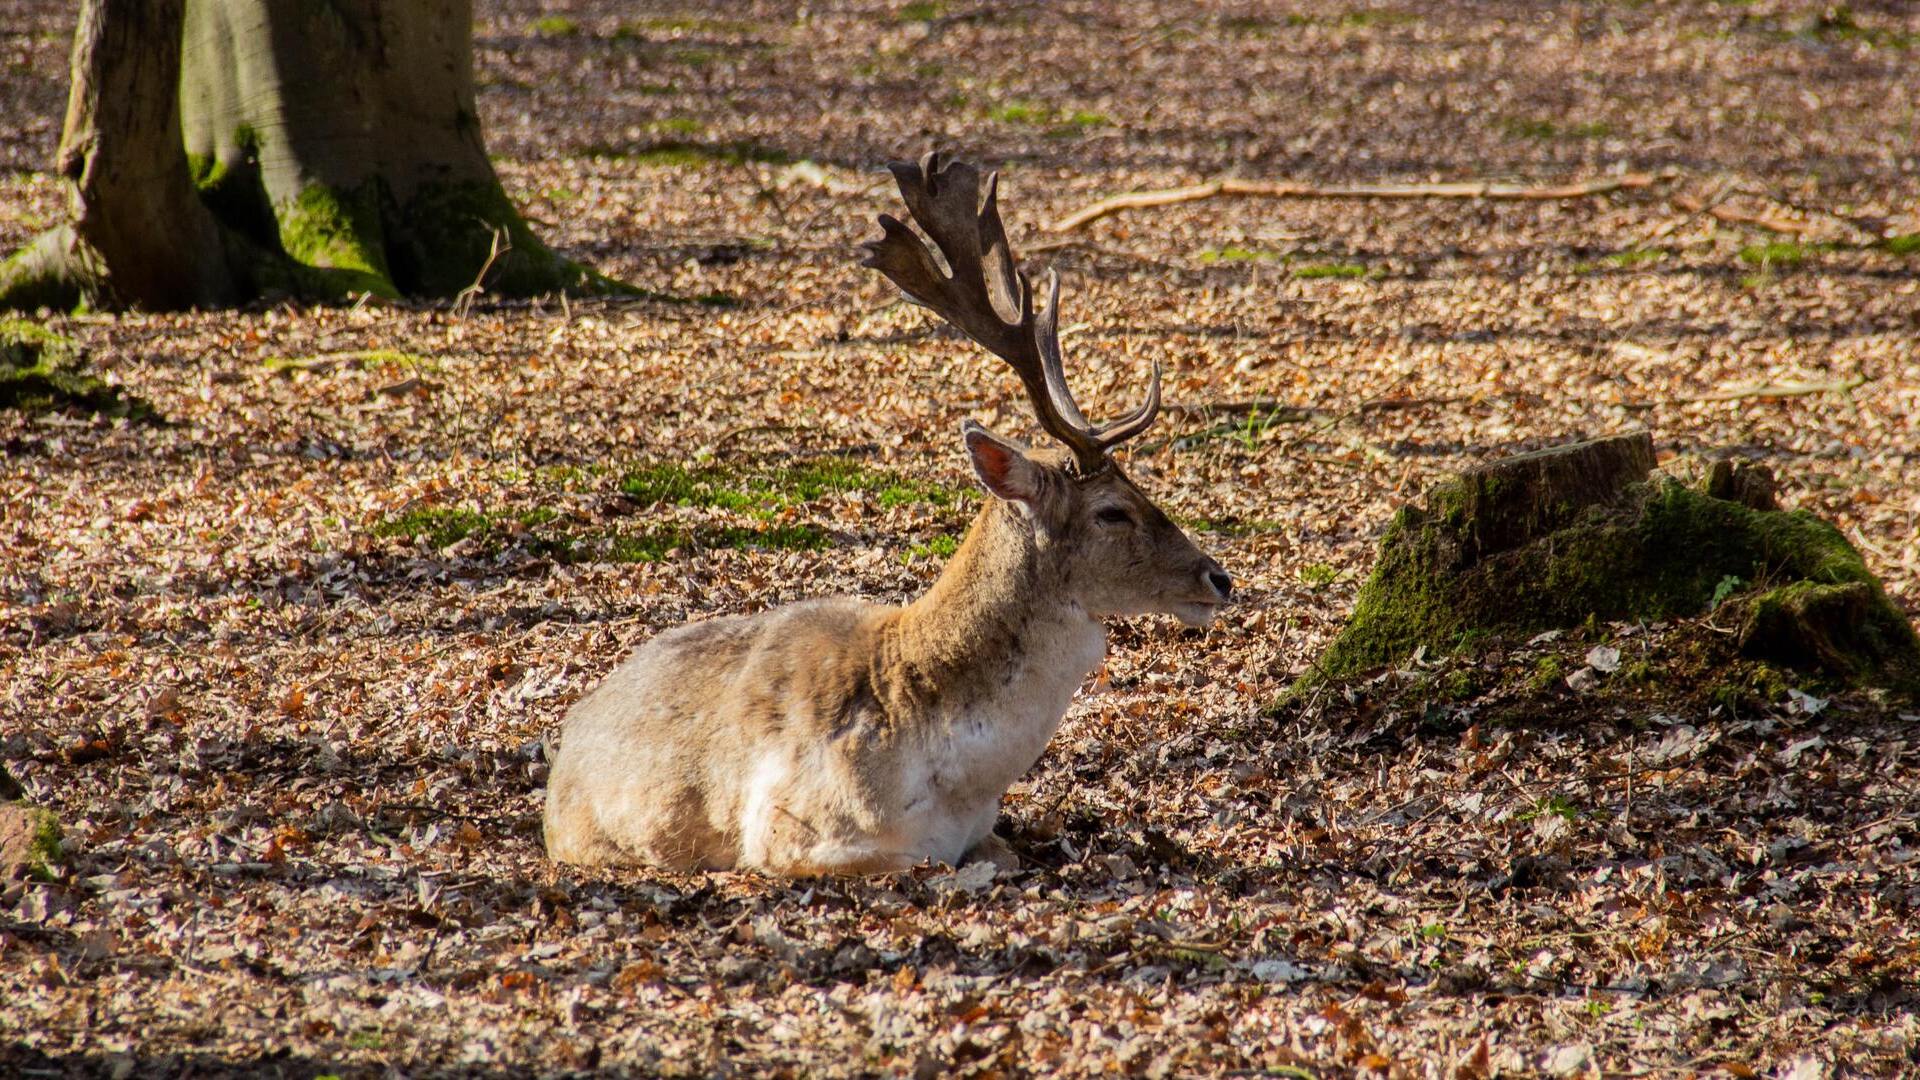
(1589, 530)
(29, 841)
(40, 372)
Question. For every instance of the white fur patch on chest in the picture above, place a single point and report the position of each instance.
(953, 792)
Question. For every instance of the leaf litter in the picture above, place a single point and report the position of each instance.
(298, 757)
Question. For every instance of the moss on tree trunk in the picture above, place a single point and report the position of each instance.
(1552, 539)
(226, 149)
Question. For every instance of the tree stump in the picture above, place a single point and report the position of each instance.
(1590, 530)
(29, 840)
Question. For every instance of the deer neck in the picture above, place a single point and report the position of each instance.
(995, 625)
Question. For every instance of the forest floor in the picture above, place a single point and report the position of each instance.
(283, 663)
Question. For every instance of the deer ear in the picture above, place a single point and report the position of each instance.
(1001, 466)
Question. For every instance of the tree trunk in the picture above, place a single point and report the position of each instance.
(224, 149)
(138, 232)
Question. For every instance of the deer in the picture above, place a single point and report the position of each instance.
(840, 736)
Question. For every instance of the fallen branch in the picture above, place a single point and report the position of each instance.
(1782, 390)
(1282, 189)
(1733, 216)
(1302, 412)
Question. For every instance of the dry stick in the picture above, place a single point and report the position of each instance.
(1782, 390)
(1282, 189)
(1722, 212)
(1275, 405)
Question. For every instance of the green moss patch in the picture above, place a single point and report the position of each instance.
(1908, 244)
(337, 234)
(681, 24)
(940, 547)
(1233, 253)
(1058, 121)
(1622, 260)
(1775, 255)
(40, 372)
(766, 489)
(542, 532)
(230, 183)
(30, 841)
(1515, 127)
(760, 507)
(1330, 270)
(1503, 553)
(685, 154)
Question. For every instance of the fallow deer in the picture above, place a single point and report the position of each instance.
(841, 736)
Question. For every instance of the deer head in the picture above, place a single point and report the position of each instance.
(1114, 550)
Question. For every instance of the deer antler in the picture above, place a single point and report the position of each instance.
(989, 299)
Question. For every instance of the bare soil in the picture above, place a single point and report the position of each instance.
(282, 664)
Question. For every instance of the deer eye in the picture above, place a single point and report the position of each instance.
(1113, 515)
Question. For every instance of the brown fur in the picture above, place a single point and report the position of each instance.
(844, 736)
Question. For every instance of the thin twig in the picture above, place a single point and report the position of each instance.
(1782, 390)
(463, 301)
(1732, 216)
(1285, 189)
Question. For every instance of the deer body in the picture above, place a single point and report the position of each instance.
(840, 736)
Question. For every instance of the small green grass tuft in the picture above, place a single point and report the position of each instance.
(1059, 123)
(1622, 260)
(1019, 112)
(1634, 257)
(555, 26)
(1317, 575)
(1378, 17)
(1521, 127)
(45, 849)
(940, 547)
(1727, 587)
(679, 24)
(1084, 118)
(918, 12)
(1553, 806)
(1330, 270)
(1908, 244)
(677, 125)
(1777, 254)
(1355, 20)
(1233, 253)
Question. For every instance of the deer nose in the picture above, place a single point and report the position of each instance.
(1221, 583)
